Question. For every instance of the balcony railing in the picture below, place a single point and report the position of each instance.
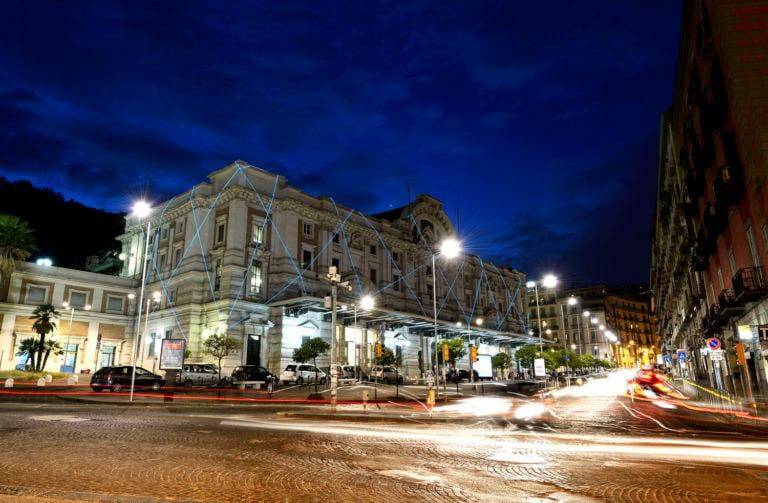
(727, 303)
(728, 186)
(715, 219)
(749, 284)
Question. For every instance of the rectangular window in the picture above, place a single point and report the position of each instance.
(257, 232)
(373, 249)
(335, 262)
(429, 270)
(396, 283)
(162, 261)
(114, 304)
(306, 259)
(179, 227)
(752, 246)
(308, 230)
(220, 233)
(169, 333)
(335, 238)
(255, 281)
(77, 299)
(36, 295)
(373, 276)
(164, 233)
(304, 339)
(429, 292)
(217, 277)
(395, 257)
(152, 345)
(176, 257)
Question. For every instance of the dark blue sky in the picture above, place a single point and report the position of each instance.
(536, 123)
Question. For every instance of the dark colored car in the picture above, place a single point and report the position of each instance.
(462, 375)
(119, 378)
(255, 373)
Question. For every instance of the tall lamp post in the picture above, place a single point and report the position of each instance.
(549, 281)
(335, 278)
(366, 304)
(71, 308)
(142, 210)
(450, 248)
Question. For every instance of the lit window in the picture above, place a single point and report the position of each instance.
(256, 278)
(257, 232)
(220, 233)
(217, 277)
(114, 304)
(306, 259)
(36, 295)
(308, 230)
(77, 299)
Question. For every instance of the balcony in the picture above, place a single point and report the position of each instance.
(726, 301)
(700, 261)
(713, 320)
(703, 153)
(713, 109)
(704, 40)
(728, 186)
(715, 219)
(749, 284)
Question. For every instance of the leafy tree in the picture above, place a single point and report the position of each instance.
(220, 346)
(387, 357)
(501, 361)
(587, 361)
(28, 347)
(44, 316)
(310, 350)
(16, 243)
(456, 350)
(525, 356)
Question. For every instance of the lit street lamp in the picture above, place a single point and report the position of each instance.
(71, 309)
(366, 304)
(450, 248)
(549, 281)
(142, 210)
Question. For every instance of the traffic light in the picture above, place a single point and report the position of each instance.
(445, 353)
(379, 350)
(473, 353)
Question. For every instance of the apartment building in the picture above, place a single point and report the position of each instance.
(710, 238)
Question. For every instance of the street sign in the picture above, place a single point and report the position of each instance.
(762, 333)
(713, 343)
(681, 355)
(539, 369)
(667, 358)
(716, 355)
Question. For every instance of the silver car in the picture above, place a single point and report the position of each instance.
(300, 374)
(386, 374)
(199, 374)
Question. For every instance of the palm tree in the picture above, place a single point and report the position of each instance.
(28, 347)
(51, 346)
(44, 324)
(16, 243)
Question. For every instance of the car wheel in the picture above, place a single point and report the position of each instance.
(155, 386)
(322, 380)
(188, 383)
(117, 388)
(97, 389)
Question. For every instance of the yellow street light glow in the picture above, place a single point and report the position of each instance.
(366, 302)
(141, 209)
(450, 248)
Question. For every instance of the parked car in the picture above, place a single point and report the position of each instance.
(354, 372)
(257, 373)
(119, 378)
(199, 374)
(461, 375)
(299, 374)
(386, 374)
(339, 371)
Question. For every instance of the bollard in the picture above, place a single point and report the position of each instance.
(365, 399)
(48, 378)
(41, 382)
(72, 379)
(9, 383)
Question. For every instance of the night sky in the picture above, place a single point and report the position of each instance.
(536, 123)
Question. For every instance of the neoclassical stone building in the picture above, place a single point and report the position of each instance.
(248, 254)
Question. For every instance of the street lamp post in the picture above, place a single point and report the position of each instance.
(155, 298)
(535, 286)
(71, 308)
(335, 278)
(450, 248)
(141, 210)
(366, 303)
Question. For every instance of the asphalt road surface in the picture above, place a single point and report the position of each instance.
(596, 446)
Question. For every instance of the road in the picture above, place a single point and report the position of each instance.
(600, 447)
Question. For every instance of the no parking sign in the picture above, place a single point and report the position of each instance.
(713, 343)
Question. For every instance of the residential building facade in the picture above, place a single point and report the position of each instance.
(710, 238)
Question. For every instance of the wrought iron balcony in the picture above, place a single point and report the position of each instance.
(749, 284)
(727, 303)
(715, 219)
(728, 186)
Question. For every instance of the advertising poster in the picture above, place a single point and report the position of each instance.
(172, 354)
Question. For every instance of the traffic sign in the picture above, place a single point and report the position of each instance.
(681, 355)
(667, 358)
(713, 343)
